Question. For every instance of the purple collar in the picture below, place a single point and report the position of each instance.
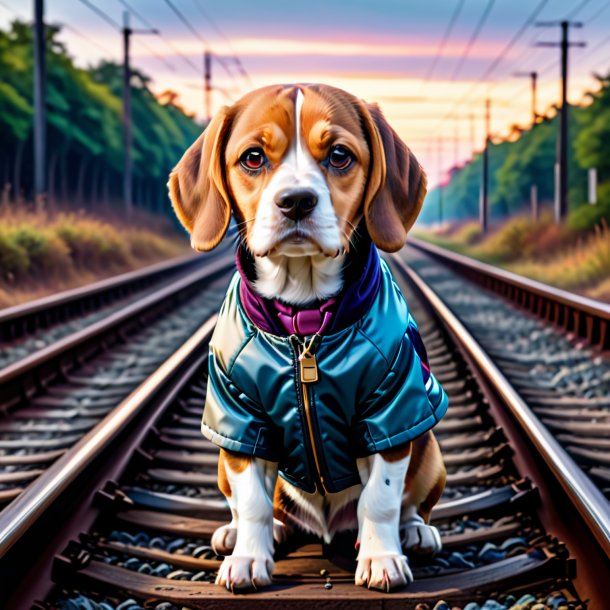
(362, 277)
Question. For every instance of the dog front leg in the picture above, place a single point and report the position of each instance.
(250, 482)
(381, 563)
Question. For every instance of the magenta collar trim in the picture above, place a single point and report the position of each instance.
(362, 278)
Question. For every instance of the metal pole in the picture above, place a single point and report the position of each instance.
(483, 207)
(534, 202)
(534, 76)
(440, 181)
(562, 201)
(40, 125)
(456, 144)
(561, 193)
(127, 138)
(207, 77)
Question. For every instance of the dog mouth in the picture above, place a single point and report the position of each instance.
(297, 236)
(298, 242)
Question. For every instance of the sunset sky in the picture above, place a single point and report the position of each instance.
(409, 56)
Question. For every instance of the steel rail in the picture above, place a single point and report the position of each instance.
(579, 306)
(24, 511)
(94, 331)
(593, 507)
(68, 297)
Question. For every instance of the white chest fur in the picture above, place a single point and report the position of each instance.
(299, 280)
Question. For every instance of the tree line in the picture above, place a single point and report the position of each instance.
(517, 164)
(84, 127)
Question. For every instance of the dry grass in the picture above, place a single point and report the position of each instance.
(42, 253)
(580, 267)
(544, 251)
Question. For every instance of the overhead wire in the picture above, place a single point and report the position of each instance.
(496, 62)
(102, 14)
(158, 33)
(234, 56)
(454, 16)
(90, 40)
(473, 38)
(197, 35)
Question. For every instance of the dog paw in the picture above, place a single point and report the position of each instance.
(223, 539)
(244, 573)
(384, 573)
(422, 539)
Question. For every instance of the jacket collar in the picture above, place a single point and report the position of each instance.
(362, 278)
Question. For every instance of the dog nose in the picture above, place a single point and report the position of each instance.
(296, 204)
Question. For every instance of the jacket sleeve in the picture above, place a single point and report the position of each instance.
(408, 402)
(232, 419)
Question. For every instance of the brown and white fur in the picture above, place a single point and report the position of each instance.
(299, 259)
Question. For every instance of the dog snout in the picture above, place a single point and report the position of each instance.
(296, 204)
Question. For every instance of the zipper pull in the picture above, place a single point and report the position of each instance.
(309, 368)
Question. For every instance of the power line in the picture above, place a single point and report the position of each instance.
(582, 5)
(441, 47)
(597, 13)
(114, 24)
(186, 22)
(197, 35)
(102, 15)
(72, 29)
(473, 38)
(496, 62)
(160, 57)
(514, 39)
(65, 26)
(147, 23)
(235, 57)
(577, 10)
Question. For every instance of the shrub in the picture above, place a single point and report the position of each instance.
(93, 245)
(42, 252)
(586, 216)
(49, 256)
(14, 260)
(505, 244)
(146, 246)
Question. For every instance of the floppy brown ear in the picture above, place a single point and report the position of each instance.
(396, 185)
(197, 186)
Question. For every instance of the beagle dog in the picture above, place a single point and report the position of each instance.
(317, 372)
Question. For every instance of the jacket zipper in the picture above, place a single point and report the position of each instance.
(308, 373)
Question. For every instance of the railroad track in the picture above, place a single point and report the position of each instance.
(26, 328)
(552, 346)
(53, 395)
(140, 489)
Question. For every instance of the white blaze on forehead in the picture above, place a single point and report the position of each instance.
(301, 169)
(297, 169)
(298, 136)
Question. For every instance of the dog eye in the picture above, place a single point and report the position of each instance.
(253, 159)
(340, 157)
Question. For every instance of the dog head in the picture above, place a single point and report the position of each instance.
(300, 166)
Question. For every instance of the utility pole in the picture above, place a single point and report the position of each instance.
(533, 76)
(439, 150)
(40, 121)
(207, 79)
(472, 135)
(456, 144)
(127, 133)
(483, 203)
(127, 138)
(561, 200)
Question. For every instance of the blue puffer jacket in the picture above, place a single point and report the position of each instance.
(373, 391)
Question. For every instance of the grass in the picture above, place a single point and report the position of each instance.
(561, 256)
(42, 253)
